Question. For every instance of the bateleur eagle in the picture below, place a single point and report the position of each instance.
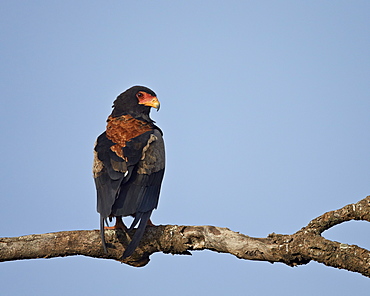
(129, 161)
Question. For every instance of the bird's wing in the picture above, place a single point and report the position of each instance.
(129, 183)
(140, 195)
(113, 167)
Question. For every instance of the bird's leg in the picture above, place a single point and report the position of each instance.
(119, 224)
(150, 223)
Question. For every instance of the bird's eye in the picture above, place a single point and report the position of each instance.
(139, 95)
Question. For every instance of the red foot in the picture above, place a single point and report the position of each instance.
(149, 223)
(119, 224)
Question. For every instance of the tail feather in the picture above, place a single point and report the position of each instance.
(135, 221)
(102, 220)
(138, 234)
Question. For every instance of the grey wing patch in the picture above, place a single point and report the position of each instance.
(153, 156)
(119, 166)
(97, 164)
(116, 166)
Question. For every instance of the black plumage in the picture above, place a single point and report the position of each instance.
(129, 163)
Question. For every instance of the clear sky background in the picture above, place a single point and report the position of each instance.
(265, 111)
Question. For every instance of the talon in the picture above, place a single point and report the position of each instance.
(150, 223)
(119, 224)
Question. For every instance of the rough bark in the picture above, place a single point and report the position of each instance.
(299, 248)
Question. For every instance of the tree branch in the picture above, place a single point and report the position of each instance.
(296, 249)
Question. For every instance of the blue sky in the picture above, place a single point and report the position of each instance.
(265, 111)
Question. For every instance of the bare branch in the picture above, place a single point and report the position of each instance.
(299, 248)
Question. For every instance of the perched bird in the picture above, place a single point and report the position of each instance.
(129, 161)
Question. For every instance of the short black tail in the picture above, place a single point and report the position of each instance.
(138, 234)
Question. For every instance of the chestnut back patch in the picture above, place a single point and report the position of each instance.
(122, 129)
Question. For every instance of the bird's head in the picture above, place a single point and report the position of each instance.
(136, 101)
